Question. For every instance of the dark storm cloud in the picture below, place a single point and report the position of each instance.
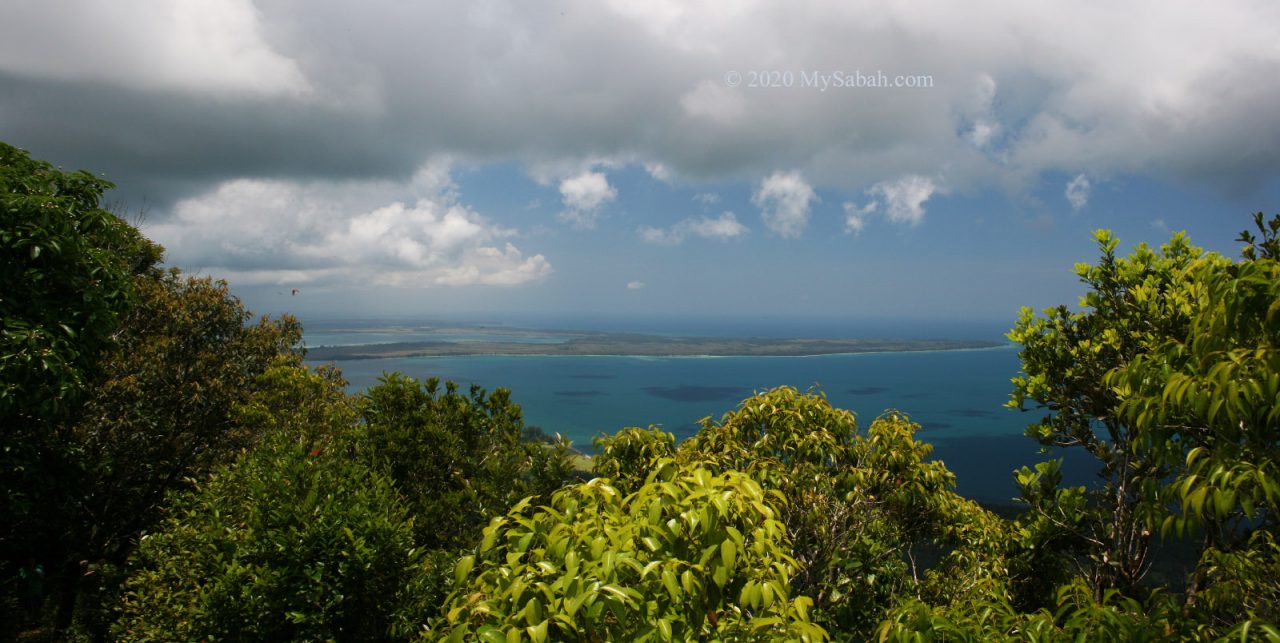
(160, 147)
(382, 86)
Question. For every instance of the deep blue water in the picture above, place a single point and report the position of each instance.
(957, 396)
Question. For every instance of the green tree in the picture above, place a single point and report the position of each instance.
(65, 268)
(1133, 304)
(1074, 615)
(1206, 404)
(66, 272)
(296, 540)
(117, 379)
(459, 459)
(871, 519)
(164, 410)
(160, 415)
(1170, 377)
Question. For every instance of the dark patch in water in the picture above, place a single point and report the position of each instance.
(579, 393)
(936, 425)
(592, 376)
(984, 466)
(867, 390)
(972, 413)
(698, 393)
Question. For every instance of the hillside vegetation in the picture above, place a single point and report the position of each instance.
(173, 471)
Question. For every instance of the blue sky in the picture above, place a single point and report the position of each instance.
(972, 256)
(508, 160)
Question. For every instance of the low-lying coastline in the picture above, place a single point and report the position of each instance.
(634, 345)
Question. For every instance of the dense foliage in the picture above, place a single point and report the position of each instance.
(65, 268)
(66, 274)
(689, 555)
(164, 411)
(1170, 377)
(864, 511)
(295, 540)
(117, 382)
(458, 458)
(181, 475)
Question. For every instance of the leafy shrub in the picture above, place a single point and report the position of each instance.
(626, 457)
(690, 555)
(66, 277)
(458, 459)
(292, 542)
(863, 511)
(165, 407)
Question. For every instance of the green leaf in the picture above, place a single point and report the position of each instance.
(492, 635)
(664, 628)
(463, 569)
(688, 583)
(728, 554)
(538, 632)
(673, 588)
(533, 611)
(720, 576)
(802, 605)
(573, 604)
(1196, 500)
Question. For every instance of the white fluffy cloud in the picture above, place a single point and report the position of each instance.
(287, 232)
(855, 216)
(784, 199)
(659, 172)
(1078, 191)
(901, 201)
(489, 266)
(583, 195)
(904, 198)
(635, 285)
(724, 227)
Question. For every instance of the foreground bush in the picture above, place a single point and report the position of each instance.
(690, 555)
(296, 540)
(118, 382)
(459, 459)
(872, 520)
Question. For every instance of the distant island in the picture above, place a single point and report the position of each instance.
(637, 345)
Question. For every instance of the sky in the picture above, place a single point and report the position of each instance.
(714, 159)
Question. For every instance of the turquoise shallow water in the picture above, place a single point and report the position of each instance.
(957, 397)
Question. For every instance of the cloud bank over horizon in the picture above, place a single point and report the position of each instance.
(277, 232)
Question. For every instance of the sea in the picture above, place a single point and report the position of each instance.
(957, 396)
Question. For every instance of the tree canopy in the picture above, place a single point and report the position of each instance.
(185, 475)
